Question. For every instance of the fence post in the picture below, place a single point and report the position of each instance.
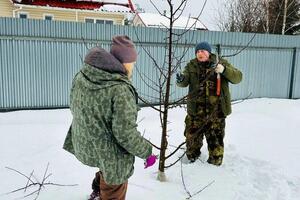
(293, 73)
(219, 49)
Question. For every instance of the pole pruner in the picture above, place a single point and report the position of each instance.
(218, 92)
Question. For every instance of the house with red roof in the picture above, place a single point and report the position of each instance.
(89, 11)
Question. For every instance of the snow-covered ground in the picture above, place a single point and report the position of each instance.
(262, 156)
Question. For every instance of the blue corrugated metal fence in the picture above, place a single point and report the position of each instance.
(38, 60)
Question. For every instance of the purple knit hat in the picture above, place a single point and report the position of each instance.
(123, 49)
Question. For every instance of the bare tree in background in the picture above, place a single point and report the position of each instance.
(242, 16)
(284, 17)
(284, 14)
(259, 16)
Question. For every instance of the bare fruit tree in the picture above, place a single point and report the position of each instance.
(175, 55)
(176, 48)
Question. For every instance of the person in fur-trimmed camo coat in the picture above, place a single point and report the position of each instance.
(206, 111)
(104, 132)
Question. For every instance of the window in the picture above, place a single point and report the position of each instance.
(23, 15)
(48, 17)
(109, 22)
(88, 20)
(99, 21)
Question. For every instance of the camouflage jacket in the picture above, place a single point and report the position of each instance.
(104, 132)
(195, 77)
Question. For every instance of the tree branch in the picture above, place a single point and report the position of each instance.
(240, 101)
(144, 101)
(245, 47)
(175, 161)
(175, 150)
(33, 184)
(202, 189)
(157, 8)
(153, 145)
(183, 182)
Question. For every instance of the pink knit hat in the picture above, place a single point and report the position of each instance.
(123, 49)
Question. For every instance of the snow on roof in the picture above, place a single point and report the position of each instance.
(114, 8)
(103, 5)
(157, 20)
(106, 1)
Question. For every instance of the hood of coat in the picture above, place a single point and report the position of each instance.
(101, 70)
(94, 78)
(101, 59)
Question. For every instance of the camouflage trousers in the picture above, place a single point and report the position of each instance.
(213, 130)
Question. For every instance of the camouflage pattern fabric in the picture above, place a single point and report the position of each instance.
(194, 76)
(209, 121)
(207, 111)
(104, 132)
(214, 133)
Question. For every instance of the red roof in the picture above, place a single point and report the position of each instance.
(71, 4)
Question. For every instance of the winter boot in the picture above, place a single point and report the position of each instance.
(217, 160)
(193, 157)
(94, 196)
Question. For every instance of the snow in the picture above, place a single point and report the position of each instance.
(262, 156)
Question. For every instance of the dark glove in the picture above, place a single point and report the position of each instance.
(179, 77)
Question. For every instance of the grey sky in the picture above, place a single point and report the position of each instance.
(209, 16)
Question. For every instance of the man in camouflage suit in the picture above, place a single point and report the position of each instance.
(207, 110)
(103, 133)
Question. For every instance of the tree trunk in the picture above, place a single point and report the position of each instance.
(284, 17)
(164, 142)
(267, 16)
